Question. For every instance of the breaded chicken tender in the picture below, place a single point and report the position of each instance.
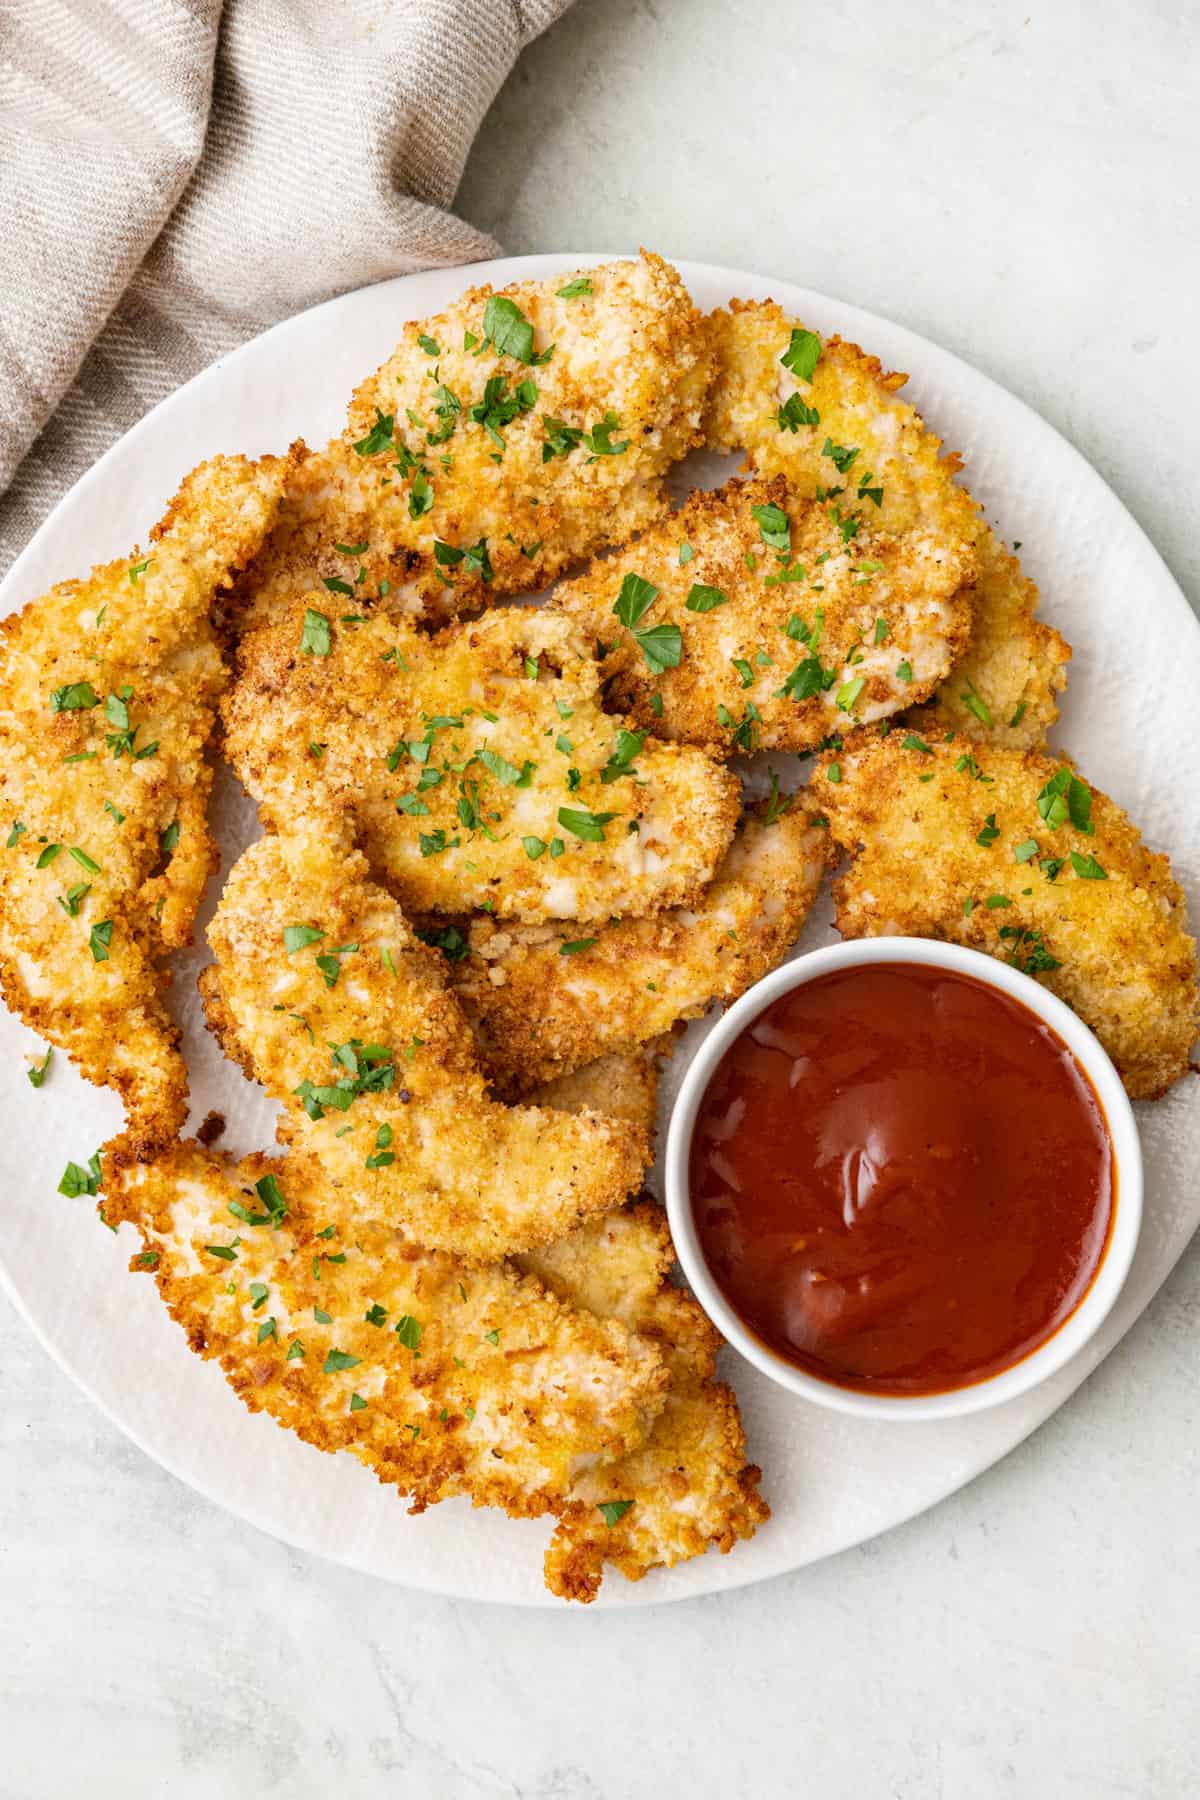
(689, 1486)
(829, 417)
(440, 1377)
(108, 690)
(1003, 691)
(1013, 853)
(477, 765)
(786, 629)
(323, 994)
(544, 1002)
(503, 440)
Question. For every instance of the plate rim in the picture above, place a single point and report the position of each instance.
(505, 270)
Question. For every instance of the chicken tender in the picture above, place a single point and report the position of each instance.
(785, 629)
(441, 1378)
(829, 418)
(478, 766)
(1004, 689)
(324, 995)
(108, 690)
(1013, 853)
(503, 440)
(544, 1002)
(689, 1486)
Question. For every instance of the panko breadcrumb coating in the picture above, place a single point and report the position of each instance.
(477, 765)
(689, 1486)
(1003, 690)
(441, 1378)
(324, 995)
(830, 417)
(521, 430)
(539, 1013)
(1011, 852)
(108, 689)
(787, 630)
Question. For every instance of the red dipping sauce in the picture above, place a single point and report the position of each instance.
(902, 1180)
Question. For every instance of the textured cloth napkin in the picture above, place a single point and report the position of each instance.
(175, 175)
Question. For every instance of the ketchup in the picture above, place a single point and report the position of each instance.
(902, 1180)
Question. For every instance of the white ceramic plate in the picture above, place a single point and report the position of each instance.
(1130, 717)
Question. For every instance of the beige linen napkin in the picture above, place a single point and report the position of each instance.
(175, 175)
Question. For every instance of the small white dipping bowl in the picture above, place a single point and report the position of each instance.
(1109, 1278)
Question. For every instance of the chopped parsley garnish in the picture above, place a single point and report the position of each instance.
(99, 939)
(600, 439)
(74, 898)
(840, 455)
(778, 803)
(409, 1332)
(807, 679)
(298, 937)
(586, 825)
(508, 331)
(802, 354)
(882, 628)
(337, 1360)
(499, 408)
(315, 638)
(429, 345)
(613, 1511)
(36, 1072)
(662, 647)
(380, 435)
(383, 1154)
(16, 834)
(168, 841)
(77, 696)
(974, 704)
(474, 560)
(995, 900)
(1026, 850)
(635, 598)
(581, 285)
(848, 694)
(136, 570)
(450, 940)
(686, 555)
(1027, 949)
(76, 1180)
(575, 946)
(84, 860)
(1087, 868)
(794, 413)
(702, 598)
(743, 729)
(627, 747)
(505, 771)
(913, 742)
(774, 527)
(1066, 797)
(989, 833)
(904, 671)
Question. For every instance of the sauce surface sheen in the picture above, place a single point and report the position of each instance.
(902, 1180)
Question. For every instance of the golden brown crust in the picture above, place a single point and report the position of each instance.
(858, 628)
(118, 779)
(1123, 956)
(1014, 663)
(538, 1013)
(457, 757)
(446, 1379)
(690, 1485)
(413, 1136)
(633, 349)
(1005, 689)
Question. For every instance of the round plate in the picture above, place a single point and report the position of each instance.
(1129, 717)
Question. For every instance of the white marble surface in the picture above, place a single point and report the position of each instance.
(1019, 184)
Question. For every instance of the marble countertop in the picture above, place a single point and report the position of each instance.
(1019, 185)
